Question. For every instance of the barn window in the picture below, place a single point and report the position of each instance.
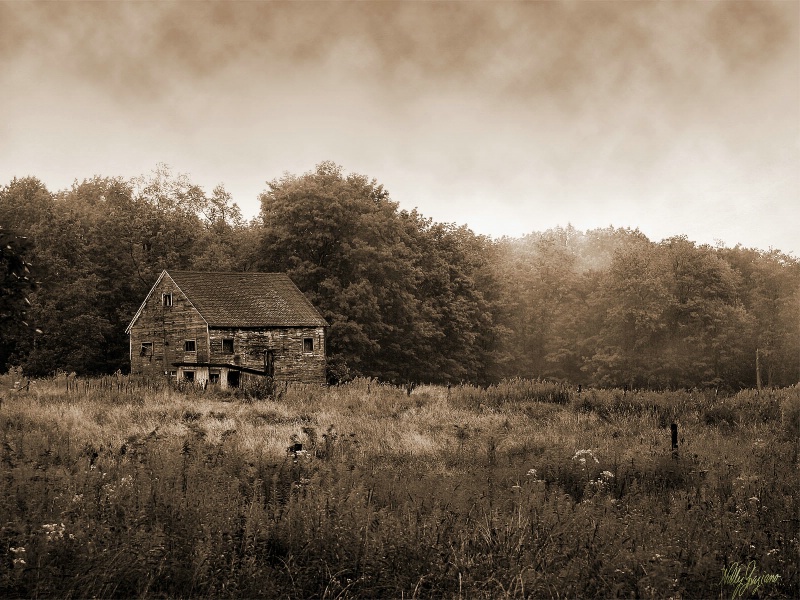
(308, 344)
(173, 374)
(189, 346)
(147, 349)
(227, 345)
(166, 299)
(213, 376)
(188, 375)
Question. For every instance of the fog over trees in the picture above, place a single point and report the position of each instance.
(407, 299)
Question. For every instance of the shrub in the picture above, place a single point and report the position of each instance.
(720, 414)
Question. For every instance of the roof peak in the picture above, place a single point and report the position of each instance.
(245, 299)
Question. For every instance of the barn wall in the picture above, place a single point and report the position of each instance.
(167, 328)
(292, 363)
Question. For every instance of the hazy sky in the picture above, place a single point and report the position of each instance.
(673, 117)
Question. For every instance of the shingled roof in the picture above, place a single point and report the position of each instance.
(246, 299)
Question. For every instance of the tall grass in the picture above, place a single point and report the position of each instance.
(527, 489)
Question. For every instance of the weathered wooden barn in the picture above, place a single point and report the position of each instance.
(223, 328)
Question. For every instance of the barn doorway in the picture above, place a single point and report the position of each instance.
(233, 378)
(269, 363)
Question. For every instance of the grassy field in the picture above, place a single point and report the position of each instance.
(119, 488)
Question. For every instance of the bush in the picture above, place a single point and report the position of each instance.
(720, 414)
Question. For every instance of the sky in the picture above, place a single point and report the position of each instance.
(676, 118)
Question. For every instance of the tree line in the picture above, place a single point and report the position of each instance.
(407, 298)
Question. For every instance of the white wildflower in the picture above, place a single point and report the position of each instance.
(54, 531)
(582, 455)
(534, 474)
(302, 482)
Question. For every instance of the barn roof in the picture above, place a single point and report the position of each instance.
(245, 299)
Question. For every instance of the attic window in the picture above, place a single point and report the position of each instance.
(227, 346)
(147, 349)
(166, 299)
(189, 346)
(308, 344)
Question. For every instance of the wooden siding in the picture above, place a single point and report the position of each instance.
(167, 328)
(292, 363)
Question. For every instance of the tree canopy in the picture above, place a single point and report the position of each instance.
(407, 298)
(399, 291)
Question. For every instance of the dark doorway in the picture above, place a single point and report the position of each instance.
(269, 363)
(233, 378)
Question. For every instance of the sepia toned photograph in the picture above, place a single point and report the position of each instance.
(400, 299)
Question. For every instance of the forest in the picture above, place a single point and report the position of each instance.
(408, 299)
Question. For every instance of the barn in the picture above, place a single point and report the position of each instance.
(225, 328)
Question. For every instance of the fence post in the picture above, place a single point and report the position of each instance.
(674, 429)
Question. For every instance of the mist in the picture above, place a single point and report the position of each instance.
(510, 117)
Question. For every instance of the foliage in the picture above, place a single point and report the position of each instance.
(407, 299)
(16, 279)
(99, 247)
(613, 308)
(120, 487)
(403, 295)
(16, 283)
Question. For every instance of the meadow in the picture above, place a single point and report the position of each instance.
(123, 488)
